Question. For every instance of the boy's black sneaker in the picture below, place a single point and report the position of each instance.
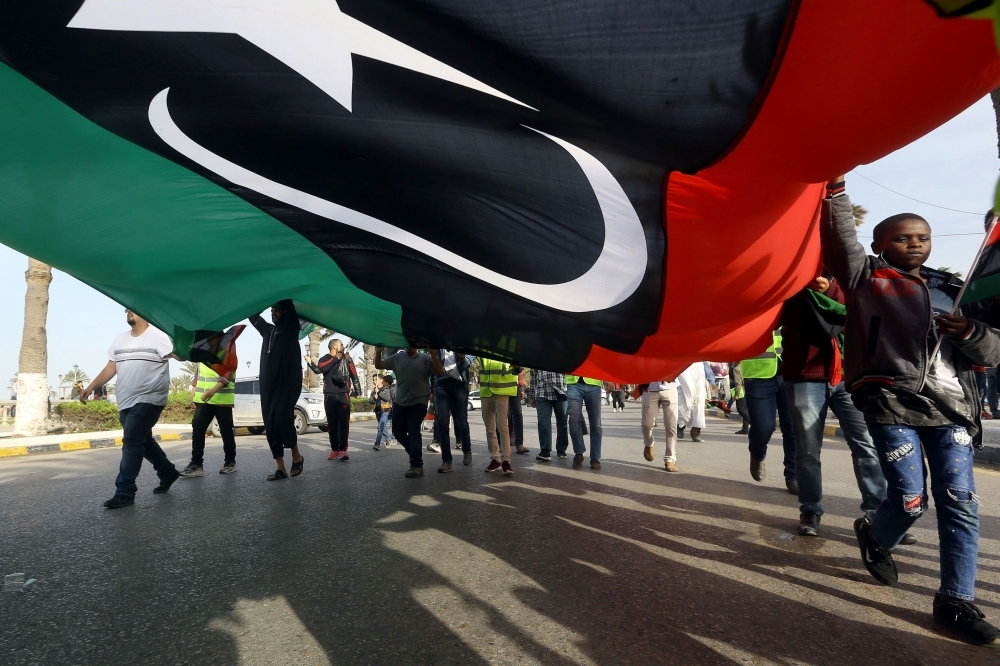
(543, 457)
(118, 501)
(965, 619)
(165, 485)
(877, 560)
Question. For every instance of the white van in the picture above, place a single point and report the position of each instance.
(309, 410)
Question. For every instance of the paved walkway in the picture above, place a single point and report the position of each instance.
(353, 564)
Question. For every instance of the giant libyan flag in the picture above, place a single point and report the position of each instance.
(611, 188)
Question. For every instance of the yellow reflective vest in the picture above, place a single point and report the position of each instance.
(496, 378)
(572, 379)
(764, 366)
(207, 379)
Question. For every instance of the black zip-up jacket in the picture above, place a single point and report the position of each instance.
(336, 377)
(887, 345)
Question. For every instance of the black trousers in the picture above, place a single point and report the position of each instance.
(515, 421)
(279, 427)
(406, 422)
(338, 421)
(618, 399)
(203, 415)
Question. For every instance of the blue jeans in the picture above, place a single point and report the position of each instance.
(545, 408)
(581, 394)
(991, 391)
(451, 400)
(949, 460)
(765, 397)
(809, 404)
(384, 429)
(138, 443)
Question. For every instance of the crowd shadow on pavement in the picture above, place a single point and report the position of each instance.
(553, 566)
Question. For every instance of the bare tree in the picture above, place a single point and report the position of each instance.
(32, 367)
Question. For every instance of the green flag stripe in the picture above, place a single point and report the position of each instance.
(177, 248)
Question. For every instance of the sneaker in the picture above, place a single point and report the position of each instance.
(986, 416)
(507, 471)
(191, 471)
(333, 455)
(680, 431)
(375, 448)
(647, 453)
(670, 466)
(696, 435)
(907, 540)
(493, 466)
(543, 457)
(742, 432)
(561, 454)
(165, 486)
(344, 457)
(118, 501)
(444, 468)
(522, 450)
(595, 464)
(877, 560)
(467, 459)
(964, 618)
(433, 448)
(228, 467)
(792, 487)
(757, 469)
(578, 461)
(414, 472)
(809, 524)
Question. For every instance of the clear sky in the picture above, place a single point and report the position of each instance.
(955, 166)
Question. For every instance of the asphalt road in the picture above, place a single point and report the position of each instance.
(353, 564)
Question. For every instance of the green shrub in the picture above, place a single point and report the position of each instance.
(93, 417)
(362, 405)
(179, 408)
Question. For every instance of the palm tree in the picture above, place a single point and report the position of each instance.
(316, 336)
(179, 384)
(859, 212)
(76, 375)
(32, 377)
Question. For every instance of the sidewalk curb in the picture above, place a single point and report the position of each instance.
(987, 454)
(80, 445)
(363, 416)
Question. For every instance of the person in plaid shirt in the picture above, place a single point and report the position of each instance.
(547, 394)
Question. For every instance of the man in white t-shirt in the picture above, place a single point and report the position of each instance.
(140, 358)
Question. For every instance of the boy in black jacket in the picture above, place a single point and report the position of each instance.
(909, 369)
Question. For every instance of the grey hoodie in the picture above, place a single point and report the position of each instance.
(888, 340)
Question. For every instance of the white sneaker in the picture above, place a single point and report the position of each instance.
(434, 448)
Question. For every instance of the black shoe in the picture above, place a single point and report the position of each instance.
(757, 469)
(543, 457)
(561, 454)
(965, 619)
(877, 560)
(793, 487)
(680, 432)
(165, 485)
(742, 432)
(809, 524)
(907, 540)
(118, 501)
(595, 464)
(578, 461)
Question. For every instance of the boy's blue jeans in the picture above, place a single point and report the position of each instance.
(384, 429)
(901, 451)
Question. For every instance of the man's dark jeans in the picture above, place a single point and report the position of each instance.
(203, 415)
(765, 397)
(138, 443)
(406, 422)
(451, 400)
(991, 392)
(545, 409)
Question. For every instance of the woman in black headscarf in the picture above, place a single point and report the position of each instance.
(280, 383)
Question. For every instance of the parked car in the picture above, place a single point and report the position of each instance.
(309, 409)
(475, 402)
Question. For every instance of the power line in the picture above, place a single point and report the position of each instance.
(905, 196)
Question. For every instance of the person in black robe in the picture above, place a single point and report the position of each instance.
(280, 383)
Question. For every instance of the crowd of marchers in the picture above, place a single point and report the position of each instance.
(876, 339)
